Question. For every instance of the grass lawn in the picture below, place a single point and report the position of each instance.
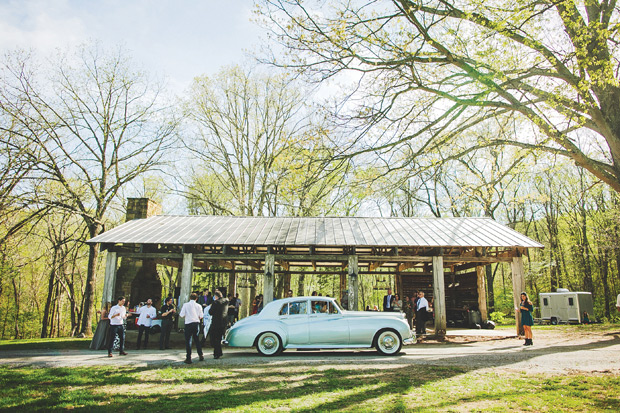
(62, 343)
(300, 388)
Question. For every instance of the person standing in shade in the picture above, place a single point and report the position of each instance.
(618, 303)
(408, 310)
(387, 301)
(237, 307)
(527, 320)
(219, 313)
(118, 314)
(192, 311)
(232, 309)
(145, 320)
(420, 314)
(167, 312)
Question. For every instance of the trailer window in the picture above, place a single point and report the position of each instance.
(545, 302)
(570, 301)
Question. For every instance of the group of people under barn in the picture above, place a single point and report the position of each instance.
(208, 313)
(417, 309)
(212, 314)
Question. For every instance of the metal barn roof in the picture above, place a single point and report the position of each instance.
(316, 231)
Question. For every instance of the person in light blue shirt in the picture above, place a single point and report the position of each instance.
(420, 314)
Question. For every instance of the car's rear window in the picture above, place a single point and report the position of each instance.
(294, 308)
(324, 307)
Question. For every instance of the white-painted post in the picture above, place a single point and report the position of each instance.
(482, 293)
(187, 272)
(518, 285)
(269, 280)
(109, 280)
(352, 282)
(439, 296)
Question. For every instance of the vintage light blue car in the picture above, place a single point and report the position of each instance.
(319, 323)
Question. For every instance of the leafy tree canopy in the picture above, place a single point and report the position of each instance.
(429, 70)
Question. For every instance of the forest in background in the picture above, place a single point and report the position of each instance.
(357, 117)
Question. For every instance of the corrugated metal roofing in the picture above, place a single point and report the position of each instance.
(316, 231)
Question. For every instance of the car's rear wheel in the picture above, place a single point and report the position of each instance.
(269, 344)
(388, 342)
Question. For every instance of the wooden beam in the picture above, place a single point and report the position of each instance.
(439, 296)
(226, 264)
(146, 255)
(518, 285)
(407, 265)
(374, 265)
(269, 280)
(232, 280)
(352, 270)
(186, 281)
(482, 292)
(167, 262)
(314, 259)
(110, 279)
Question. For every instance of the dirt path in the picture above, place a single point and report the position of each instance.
(553, 352)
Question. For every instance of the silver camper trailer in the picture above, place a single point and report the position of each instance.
(564, 306)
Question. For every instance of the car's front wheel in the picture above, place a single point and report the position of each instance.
(388, 342)
(269, 344)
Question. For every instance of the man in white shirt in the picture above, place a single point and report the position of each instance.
(147, 314)
(117, 314)
(618, 303)
(192, 311)
(420, 314)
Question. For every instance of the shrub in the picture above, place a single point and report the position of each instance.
(497, 317)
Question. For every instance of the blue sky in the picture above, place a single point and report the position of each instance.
(179, 39)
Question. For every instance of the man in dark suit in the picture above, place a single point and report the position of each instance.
(219, 314)
(387, 301)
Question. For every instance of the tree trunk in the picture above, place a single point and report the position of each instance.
(48, 303)
(16, 296)
(91, 282)
(490, 291)
(300, 285)
(604, 269)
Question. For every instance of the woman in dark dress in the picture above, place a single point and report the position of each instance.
(527, 320)
(100, 339)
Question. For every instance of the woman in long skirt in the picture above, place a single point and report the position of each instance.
(100, 339)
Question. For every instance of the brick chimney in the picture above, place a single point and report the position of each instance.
(138, 279)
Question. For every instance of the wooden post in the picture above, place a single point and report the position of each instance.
(287, 281)
(187, 271)
(232, 281)
(269, 280)
(343, 284)
(482, 293)
(439, 296)
(353, 272)
(518, 285)
(110, 279)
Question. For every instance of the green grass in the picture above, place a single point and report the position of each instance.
(301, 389)
(45, 344)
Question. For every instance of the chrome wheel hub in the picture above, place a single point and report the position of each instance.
(388, 342)
(268, 343)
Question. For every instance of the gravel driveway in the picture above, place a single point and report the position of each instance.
(585, 353)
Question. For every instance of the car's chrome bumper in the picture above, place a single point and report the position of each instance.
(408, 341)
